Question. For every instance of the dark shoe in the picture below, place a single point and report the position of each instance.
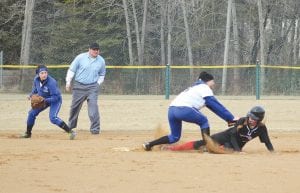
(147, 146)
(96, 132)
(25, 135)
(72, 134)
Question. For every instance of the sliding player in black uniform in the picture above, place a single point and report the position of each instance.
(245, 129)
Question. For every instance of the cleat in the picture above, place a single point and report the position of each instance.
(95, 132)
(72, 135)
(25, 135)
(147, 146)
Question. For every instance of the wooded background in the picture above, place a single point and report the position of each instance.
(155, 32)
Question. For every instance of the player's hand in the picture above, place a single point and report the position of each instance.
(233, 122)
(236, 118)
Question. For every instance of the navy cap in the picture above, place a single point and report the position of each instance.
(41, 68)
(94, 46)
(205, 77)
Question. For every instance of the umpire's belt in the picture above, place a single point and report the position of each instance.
(84, 84)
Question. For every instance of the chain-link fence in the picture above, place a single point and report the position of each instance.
(135, 80)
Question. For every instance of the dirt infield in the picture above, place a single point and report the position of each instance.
(114, 161)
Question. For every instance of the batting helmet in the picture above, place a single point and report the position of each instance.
(256, 113)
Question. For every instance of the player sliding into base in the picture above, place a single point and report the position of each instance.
(234, 138)
(186, 107)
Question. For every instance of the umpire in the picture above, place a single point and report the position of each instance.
(88, 71)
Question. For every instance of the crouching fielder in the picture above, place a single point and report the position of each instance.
(234, 138)
(46, 86)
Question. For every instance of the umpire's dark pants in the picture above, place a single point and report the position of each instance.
(88, 92)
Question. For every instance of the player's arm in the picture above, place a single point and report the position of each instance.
(71, 71)
(215, 106)
(69, 77)
(54, 93)
(264, 138)
(101, 73)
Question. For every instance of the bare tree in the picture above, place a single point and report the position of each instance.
(137, 33)
(169, 24)
(26, 40)
(262, 42)
(187, 35)
(162, 32)
(144, 30)
(26, 32)
(295, 52)
(128, 32)
(226, 50)
(235, 34)
(296, 42)
(140, 40)
(236, 45)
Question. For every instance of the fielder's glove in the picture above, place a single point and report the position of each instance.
(37, 102)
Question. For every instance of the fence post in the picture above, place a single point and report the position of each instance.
(257, 79)
(167, 82)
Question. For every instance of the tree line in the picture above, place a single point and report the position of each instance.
(138, 32)
(152, 32)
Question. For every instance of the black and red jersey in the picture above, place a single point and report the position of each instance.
(237, 136)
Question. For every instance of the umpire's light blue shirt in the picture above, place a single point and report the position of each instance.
(88, 69)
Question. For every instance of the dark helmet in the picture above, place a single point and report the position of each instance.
(256, 113)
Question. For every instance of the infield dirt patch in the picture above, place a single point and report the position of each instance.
(115, 162)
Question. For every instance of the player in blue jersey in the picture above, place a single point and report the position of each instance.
(186, 107)
(46, 86)
(235, 137)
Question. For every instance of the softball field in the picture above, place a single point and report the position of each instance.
(113, 162)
